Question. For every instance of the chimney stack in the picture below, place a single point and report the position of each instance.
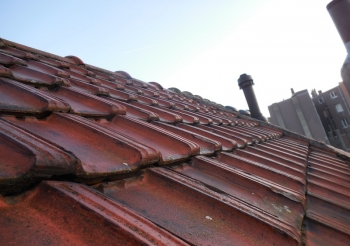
(246, 83)
(292, 90)
(339, 10)
(313, 93)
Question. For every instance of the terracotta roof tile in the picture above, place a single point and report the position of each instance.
(171, 147)
(207, 146)
(7, 60)
(109, 155)
(77, 215)
(222, 222)
(227, 143)
(163, 114)
(85, 104)
(33, 77)
(42, 67)
(20, 99)
(26, 158)
(91, 156)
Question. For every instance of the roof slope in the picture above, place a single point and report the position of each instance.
(90, 156)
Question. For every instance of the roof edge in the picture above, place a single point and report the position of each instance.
(4, 42)
(312, 142)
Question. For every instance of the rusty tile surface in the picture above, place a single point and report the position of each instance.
(7, 60)
(259, 169)
(269, 150)
(171, 147)
(283, 166)
(111, 85)
(25, 158)
(224, 179)
(110, 153)
(44, 68)
(146, 100)
(207, 146)
(328, 210)
(242, 140)
(81, 70)
(20, 99)
(17, 53)
(164, 103)
(83, 77)
(230, 133)
(284, 204)
(201, 119)
(34, 77)
(163, 114)
(137, 112)
(89, 88)
(85, 104)
(54, 62)
(227, 223)
(121, 95)
(227, 144)
(75, 215)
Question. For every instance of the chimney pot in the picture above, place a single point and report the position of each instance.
(339, 10)
(245, 80)
(246, 83)
(340, 13)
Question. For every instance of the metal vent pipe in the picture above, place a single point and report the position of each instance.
(246, 83)
(339, 10)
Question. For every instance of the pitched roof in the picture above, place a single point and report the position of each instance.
(90, 156)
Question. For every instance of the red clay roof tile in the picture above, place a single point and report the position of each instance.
(44, 68)
(7, 60)
(32, 77)
(20, 99)
(207, 146)
(77, 215)
(225, 178)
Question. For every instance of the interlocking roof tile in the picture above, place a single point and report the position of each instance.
(76, 215)
(171, 147)
(26, 158)
(33, 77)
(227, 144)
(110, 154)
(20, 99)
(7, 60)
(42, 67)
(91, 156)
(163, 114)
(207, 146)
(86, 104)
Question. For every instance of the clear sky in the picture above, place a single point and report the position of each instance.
(201, 46)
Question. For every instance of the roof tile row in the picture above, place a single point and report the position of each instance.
(159, 166)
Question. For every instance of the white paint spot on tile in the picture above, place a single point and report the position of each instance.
(287, 209)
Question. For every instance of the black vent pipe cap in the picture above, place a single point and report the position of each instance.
(245, 80)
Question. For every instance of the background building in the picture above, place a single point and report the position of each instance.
(334, 111)
(298, 114)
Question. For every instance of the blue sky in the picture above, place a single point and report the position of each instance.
(197, 46)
